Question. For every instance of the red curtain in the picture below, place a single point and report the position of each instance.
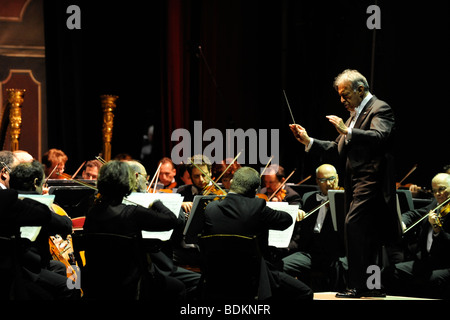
(174, 74)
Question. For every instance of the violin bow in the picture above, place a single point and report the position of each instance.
(425, 216)
(262, 173)
(154, 176)
(315, 209)
(281, 185)
(76, 172)
(307, 178)
(409, 173)
(231, 163)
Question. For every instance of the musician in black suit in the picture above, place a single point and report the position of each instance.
(364, 146)
(315, 245)
(273, 177)
(116, 180)
(428, 273)
(242, 213)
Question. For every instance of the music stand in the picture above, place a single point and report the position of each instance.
(194, 225)
(338, 212)
(75, 200)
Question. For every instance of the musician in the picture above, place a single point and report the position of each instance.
(162, 256)
(187, 254)
(199, 180)
(7, 157)
(272, 178)
(219, 169)
(364, 146)
(109, 215)
(167, 173)
(14, 214)
(315, 245)
(23, 156)
(243, 213)
(91, 169)
(28, 178)
(54, 158)
(183, 176)
(428, 274)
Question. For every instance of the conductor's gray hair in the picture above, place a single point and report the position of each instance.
(356, 79)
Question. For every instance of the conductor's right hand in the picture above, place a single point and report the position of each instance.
(300, 133)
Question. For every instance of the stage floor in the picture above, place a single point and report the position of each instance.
(332, 296)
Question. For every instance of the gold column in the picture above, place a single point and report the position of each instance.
(15, 99)
(108, 106)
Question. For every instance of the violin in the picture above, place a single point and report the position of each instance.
(444, 211)
(214, 190)
(62, 249)
(282, 195)
(279, 196)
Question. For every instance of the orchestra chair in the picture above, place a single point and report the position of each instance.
(114, 268)
(231, 267)
(405, 200)
(11, 285)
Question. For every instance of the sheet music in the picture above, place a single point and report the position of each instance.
(172, 201)
(282, 238)
(31, 233)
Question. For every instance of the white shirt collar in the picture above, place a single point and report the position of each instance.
(361, 106)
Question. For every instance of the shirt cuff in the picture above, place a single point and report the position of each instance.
(308, 147)
(349, 134)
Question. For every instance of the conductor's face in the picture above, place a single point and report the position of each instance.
(350, 98)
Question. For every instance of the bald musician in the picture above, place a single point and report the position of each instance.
(364, 145)
(428, 273)
(315, 245)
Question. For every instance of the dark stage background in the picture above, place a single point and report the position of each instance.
(147, 54)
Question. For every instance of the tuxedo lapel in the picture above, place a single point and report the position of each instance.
(365, 112)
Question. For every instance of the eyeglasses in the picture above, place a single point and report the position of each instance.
(5, 166)
(439, 190)
(324, 180)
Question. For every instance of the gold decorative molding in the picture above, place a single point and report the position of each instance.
(108, 106)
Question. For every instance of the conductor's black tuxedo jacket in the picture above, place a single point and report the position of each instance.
(369, 163)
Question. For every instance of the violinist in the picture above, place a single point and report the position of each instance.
(116, 180)
(225, 171)
(199, 168)
(49, 274)
(427, 274)
(200, 174)
(315, 245)
(91, 169)
(272, 178)
(183, 176)
(54, 161)
(167, 174)
(162, 256)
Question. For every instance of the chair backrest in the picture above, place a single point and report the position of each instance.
(231, 266)
(116, 266)
(10, 267)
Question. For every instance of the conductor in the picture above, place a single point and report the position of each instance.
(364, 146)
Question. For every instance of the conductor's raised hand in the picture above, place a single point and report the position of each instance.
(300, 133)
(338, 124)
